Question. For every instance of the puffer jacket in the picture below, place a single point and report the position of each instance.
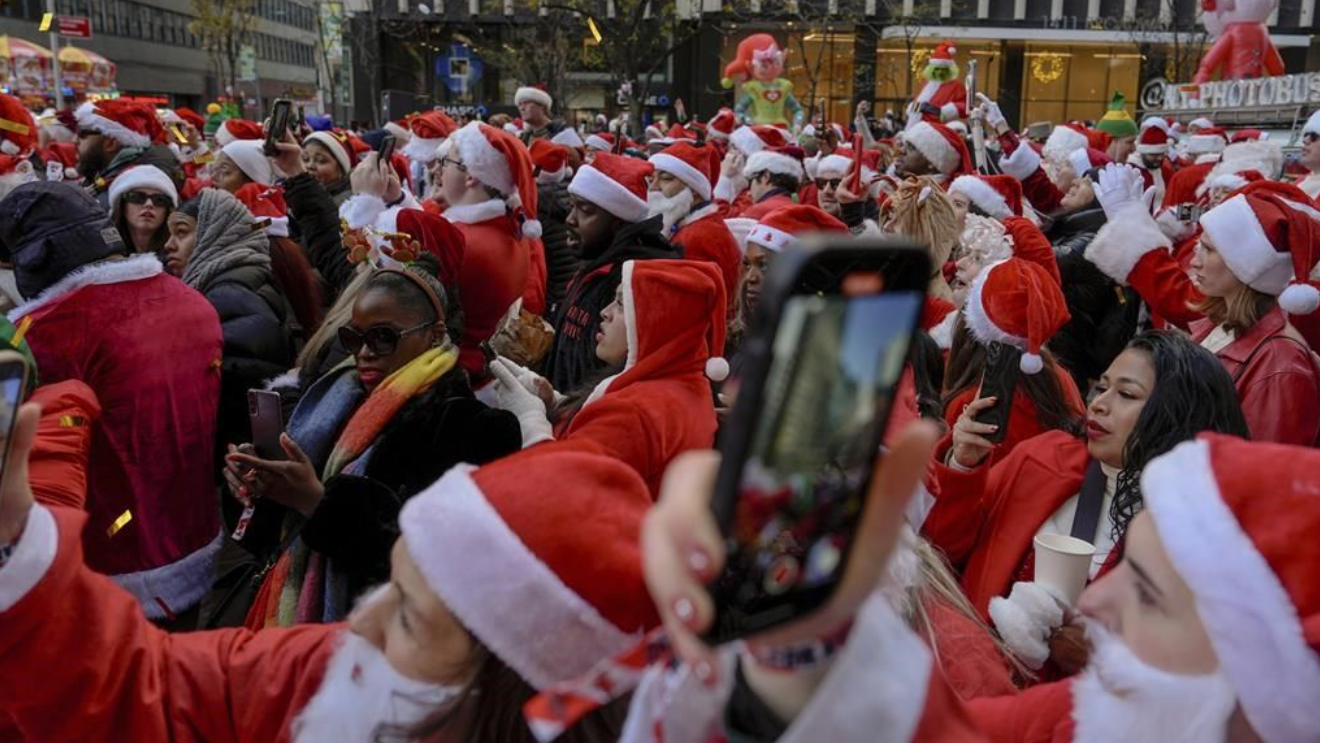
(1104, 314)
(561, 260)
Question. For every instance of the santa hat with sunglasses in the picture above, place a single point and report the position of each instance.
(139, 177)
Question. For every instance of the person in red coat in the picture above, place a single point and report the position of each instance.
(149, 348)
(943, 97)
(681, 193)
(434, 651)
(665, 331)
(1251, 248)
(486, 178)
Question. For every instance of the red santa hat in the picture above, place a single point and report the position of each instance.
(785, 227)
(1232, 181)
(250, 157)
(999, 196)
(231, 130)
(1248, 135)
(550, 161)
(346, 149)
(753, 139)
(266, 204)
(678, 133)
(552, 593)
(435, 235)
(941, 146)
(740, 228)
(1065, 138)
(653, 133)
(601, 141)
(786, 160)
(722, 125)
(615, 183)
(688, 163)
(141, 176)
(841, 161)
(61, 160)
(18, 134)
(1153, 140)
(535, 94)
(569, 137)
(428, 131)
(190, 117)
(1158, 122)
(498, 160)
(1201, 122)
(1211, 141)
(130, 124)
(1016, 302)
(1269, 237)
(1238, 523)
(943, 54)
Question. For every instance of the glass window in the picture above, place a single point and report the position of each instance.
(901, 63)
(1063, 82)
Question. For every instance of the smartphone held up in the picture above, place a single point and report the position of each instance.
(13, 390)
(821, 365)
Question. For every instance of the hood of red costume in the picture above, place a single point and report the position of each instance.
(675, 314)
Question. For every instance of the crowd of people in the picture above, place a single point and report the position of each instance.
(503, 352)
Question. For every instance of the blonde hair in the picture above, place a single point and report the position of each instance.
(337, 317)
(1238, 311)
(922, 211)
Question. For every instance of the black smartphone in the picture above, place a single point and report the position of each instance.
(13, 390)
(267, 423)
(999, 380)
(280, 112)
(827, 346)
(386, 148)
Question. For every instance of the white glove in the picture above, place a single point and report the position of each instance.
(533, 382)
(1119, 186)
(1173, 228)
(1027, 618)
(990, 110)
(526, 406)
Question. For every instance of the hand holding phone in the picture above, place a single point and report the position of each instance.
(280, 112)
(386, 148)
(999, 380)
(18, 426)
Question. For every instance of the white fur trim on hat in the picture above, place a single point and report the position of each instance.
(569, 137)
(1120, 244)
(1248, 253)
(535, 95)
(774, 162)
(597, 142)
(1205, 144)
(986, 198)
(1152, 149)
(833, 164)
(1250, 618)
(482, 160)
(607, 193)
(1202, 122)
(770, 238)
(690, 176)
(1079, 161)
(88, 118)
(141, 176)
(934, 147)
(979, 323)
(746, 140)
(1062, 141)
(421, 150)
(250, 158)
(1312, 124)
(334, 147)
(741, 228)
(511, 600)
(1022, 163)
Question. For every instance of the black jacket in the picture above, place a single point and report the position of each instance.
(313, 208)
(254, 322)
(572, 359)
(357, 522)
(561, 260)
(1104, 315)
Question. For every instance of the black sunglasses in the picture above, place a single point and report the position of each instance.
(824, 183)
(141, 197)
(1310, 137)
(382, 340)
(452, 161)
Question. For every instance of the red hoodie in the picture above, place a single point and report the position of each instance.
(660, 405)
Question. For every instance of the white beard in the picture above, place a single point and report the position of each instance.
(11, 181)
(361, 692)
(674, 209)
(1119, 698)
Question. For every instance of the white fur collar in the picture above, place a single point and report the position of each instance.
(942, 333)
(133, 268)
(474, 213)
(701, 213)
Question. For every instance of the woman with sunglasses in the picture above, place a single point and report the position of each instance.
(141, 199)
(364, 439)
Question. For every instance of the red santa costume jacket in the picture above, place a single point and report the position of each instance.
(79, 662)
(497, 269)
(1023, 163)
(660, 405)
(705, 237)
(57, 467)
(985, 519)
(950, 97)
(149, 347)
(1245, 52)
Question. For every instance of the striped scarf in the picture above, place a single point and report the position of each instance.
(303, 587)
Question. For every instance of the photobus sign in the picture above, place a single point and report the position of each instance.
(1285, 90)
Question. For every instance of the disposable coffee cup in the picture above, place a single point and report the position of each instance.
(1063, 563)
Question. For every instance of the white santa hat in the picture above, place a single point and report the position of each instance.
(1271, 243)
(941, 146)
(231, 130)
(1159, 122)
(785, 227)
(1207, 142)
(688, 163)
(780, 160)
(141, 176)
(840, 162)
(1201, 122)
(569, 137)
(752, 139)
(535, 94)
(551, 594)
(1016, 302)
(615, 183)
(337, 145)
(722, 124)
(1238, 523)
(250, 157)
(1063, 140)
(498, 160)
(601, 142)
(1312, 124)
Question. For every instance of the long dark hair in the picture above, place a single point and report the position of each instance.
(1193, 393)
(573, 402)
(158, 238)
(967, 363)
(928, 376)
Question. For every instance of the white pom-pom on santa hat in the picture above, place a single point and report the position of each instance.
(717, 369)
(1031, 363)
(1300, 299)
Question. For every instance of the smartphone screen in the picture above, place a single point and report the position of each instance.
(387, 148)
(810, 435)
(13, 380)
(279, 124)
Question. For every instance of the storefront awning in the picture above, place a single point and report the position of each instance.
(86, 70)
(1071, 36)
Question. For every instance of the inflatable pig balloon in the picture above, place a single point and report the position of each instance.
(1243, 50)
(767, 97)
